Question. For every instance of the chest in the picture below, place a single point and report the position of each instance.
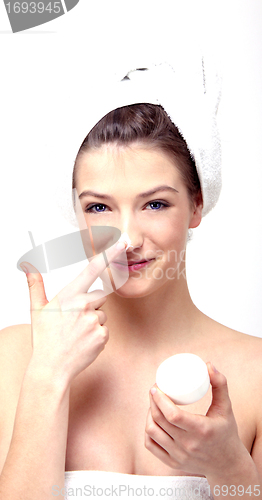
(107, 420)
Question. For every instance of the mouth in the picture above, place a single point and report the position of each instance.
(132, 265)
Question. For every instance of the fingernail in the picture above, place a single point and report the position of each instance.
(24, 268)
(214, 368)
(124, 237)
(121, 245)
(153, 390)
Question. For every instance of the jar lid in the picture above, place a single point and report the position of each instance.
(183, 378)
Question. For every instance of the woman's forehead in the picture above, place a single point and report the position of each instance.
(125, 159)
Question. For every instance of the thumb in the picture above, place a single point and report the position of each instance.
(221, 403)
(36, 286)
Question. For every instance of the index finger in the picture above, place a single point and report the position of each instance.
(92, 271)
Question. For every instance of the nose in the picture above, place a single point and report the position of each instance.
(133, 242)
(124, 237)
(131, 230)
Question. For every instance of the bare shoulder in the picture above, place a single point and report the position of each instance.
(15, 346)
(243, 344)
(10, 333)
(237, 352)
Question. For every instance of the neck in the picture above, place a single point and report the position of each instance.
(167, 314)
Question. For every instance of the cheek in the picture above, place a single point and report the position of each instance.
(171, 231)
(170, 237)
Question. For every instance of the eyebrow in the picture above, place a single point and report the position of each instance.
(141, 195)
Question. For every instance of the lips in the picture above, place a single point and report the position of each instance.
(132, 262)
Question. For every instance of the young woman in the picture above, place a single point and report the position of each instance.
(78, 390)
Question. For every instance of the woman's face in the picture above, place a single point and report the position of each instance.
(157, 222)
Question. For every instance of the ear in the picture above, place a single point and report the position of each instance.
(196, 216)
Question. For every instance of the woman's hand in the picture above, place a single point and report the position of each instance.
(206, 445)
(68, 333)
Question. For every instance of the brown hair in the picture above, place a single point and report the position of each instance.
(149, 124)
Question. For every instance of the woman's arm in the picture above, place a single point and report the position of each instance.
(36, 457)
(67, 336)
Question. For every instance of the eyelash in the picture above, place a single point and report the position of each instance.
(89, 208)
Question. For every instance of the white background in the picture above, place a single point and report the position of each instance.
(41, 66)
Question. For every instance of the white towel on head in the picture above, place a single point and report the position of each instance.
(189, 95)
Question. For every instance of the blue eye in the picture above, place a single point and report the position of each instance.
(91, 207)
(158, 203)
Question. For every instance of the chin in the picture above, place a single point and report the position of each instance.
(139, 288)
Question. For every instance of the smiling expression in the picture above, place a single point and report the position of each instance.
(139, 190)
